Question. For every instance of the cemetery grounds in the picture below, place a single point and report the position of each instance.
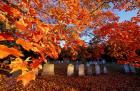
(114, 80)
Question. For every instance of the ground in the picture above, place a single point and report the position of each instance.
(115, 80)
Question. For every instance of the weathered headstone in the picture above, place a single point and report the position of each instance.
(77, 61)
(76, 67)
(132, 69)
(68, 61)
(104, 66)
(105, 70)
(89, 69)
(48, 69)
(126, 68)
(70, 70)
(97, 69)
(91, 62)
(81, 70)
(103, 61)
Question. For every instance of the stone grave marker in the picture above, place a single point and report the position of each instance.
(126, 68)
(48, 69)
(70, 70)
(89, 69)
(81, 70)
(97, 68)
(76, 66)
(132, 69)
(104, 66)
(105, 70)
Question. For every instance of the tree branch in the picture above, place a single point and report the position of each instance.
(99, 7)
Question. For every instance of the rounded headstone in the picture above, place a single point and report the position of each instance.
(70, 70)
(81, 70)
(97, 69)
(103, 61)
(105, 70)
(48, 69)
(132, 69)
(126, 68)
(89, 69)
(76, 67)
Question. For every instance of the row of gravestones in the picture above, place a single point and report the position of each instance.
(128, 68)
(81, 69)
(48, 69)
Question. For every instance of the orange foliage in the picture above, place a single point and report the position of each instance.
(5, 51)
(18, 64)
(25, 44)
(2, 17)
(36, 63)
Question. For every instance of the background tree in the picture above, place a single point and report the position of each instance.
(122, 41)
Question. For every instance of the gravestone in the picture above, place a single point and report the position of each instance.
(126, 68)
(132, 69)
(77, 62)
(70, 70)
(97, 68)
(68, 61)
(48, 69)
(91, 62)
(89, 69)
(81, 70)
(104, 66)
(103, 61)
(76, 67)
(105, 70)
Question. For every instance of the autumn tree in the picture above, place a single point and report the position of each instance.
(122, 40)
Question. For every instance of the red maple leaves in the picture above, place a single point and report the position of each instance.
(123, 39)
